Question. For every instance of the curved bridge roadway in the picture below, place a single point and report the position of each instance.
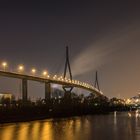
(48, 80)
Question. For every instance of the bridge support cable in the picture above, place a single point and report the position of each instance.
(96, 85)
(24, 90)
(67, 66)
(47, 91)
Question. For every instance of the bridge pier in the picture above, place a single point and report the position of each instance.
(47, 90)
(67, 91)
(24, 89)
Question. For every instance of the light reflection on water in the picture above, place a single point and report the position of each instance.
(98, 127)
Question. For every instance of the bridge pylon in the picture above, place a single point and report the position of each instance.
(67, 89)
(96, 84)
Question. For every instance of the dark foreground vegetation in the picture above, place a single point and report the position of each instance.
(14, 111)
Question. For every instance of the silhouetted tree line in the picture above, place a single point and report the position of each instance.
(69, 105)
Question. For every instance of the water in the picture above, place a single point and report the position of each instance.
(117, 126)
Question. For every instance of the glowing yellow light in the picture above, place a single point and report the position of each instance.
(54, 77)
(33, 70)
(128, 101)
(20, 68)
(129, 114)
(4, 65)
(45, 73)
(137, 100)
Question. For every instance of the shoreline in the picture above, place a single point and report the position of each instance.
(17, 119)
(31, 116)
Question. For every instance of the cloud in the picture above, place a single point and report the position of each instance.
(102, 51)
(91, 59)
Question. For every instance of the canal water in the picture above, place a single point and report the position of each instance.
(114, 126)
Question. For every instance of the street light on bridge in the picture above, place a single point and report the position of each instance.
(45, 74)
(69, 80)
(20, 68)
(55, 76)
(4, 65)
(33, 71)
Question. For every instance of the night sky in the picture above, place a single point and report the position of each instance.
(103, 36)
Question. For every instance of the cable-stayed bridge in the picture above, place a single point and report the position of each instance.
(67, 83)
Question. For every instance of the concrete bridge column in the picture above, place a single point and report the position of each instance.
(24, 89)
(47, 90)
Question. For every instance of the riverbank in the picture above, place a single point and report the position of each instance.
(30, 113)
(36, 113)
(17, 111)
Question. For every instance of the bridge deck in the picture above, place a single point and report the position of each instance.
(49, 80)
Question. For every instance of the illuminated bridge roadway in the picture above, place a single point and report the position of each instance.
(47, 80)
